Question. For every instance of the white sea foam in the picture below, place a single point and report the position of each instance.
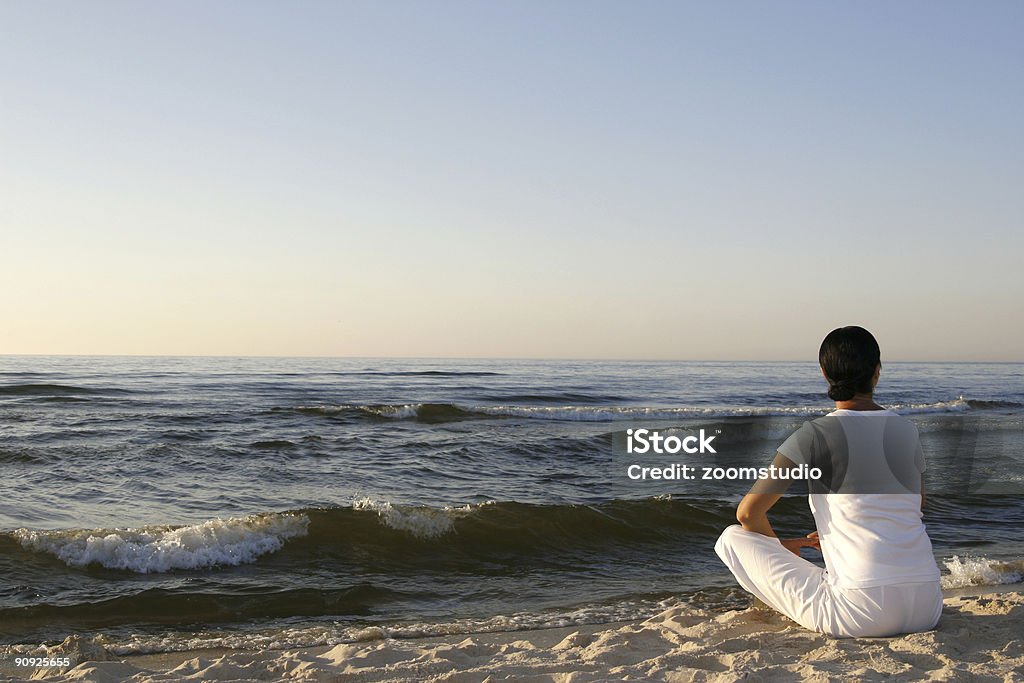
(401, 412)
(958, 405)
(422, 522)
(327, 410)
(218, 542)
(981, 571)
(619, 413)
(410, 411)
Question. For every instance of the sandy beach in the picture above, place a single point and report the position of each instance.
(980, 637)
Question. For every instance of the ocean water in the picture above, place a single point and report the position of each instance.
(170, 503)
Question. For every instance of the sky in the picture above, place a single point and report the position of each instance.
(655, 180)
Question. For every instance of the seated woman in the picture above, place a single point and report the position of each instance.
(880, 577)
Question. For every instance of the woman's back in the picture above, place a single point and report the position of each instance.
(867, 507)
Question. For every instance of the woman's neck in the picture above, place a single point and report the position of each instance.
(859, 402)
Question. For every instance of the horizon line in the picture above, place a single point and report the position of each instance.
(479, 358)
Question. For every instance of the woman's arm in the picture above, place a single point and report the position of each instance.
(752, 513)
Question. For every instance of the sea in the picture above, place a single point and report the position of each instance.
(169, 503)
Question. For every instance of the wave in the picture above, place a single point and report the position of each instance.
(22, 456)
(981, 571)
(43, 390)
(56, 391)
(393, 533)
(958, 405)
(423, 373)
(272, 444)
(218, 542)
(421, 522)
(508, 528)
(449, 412)
(410, 537)
(561, 398)
(982, 405)
(422, 412)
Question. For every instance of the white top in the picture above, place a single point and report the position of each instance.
(869, 535)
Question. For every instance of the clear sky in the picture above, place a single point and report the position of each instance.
(712, 180)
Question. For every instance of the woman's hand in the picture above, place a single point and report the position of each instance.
(793, 545)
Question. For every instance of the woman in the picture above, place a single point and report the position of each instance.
(880, 577)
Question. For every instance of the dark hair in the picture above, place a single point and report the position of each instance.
(849, 356)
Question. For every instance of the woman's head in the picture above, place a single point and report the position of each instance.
(849, 357)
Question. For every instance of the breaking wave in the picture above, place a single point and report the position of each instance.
(218, 542)
(981, 571)
(449, 412)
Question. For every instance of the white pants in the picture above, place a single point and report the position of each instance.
(800, 590)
